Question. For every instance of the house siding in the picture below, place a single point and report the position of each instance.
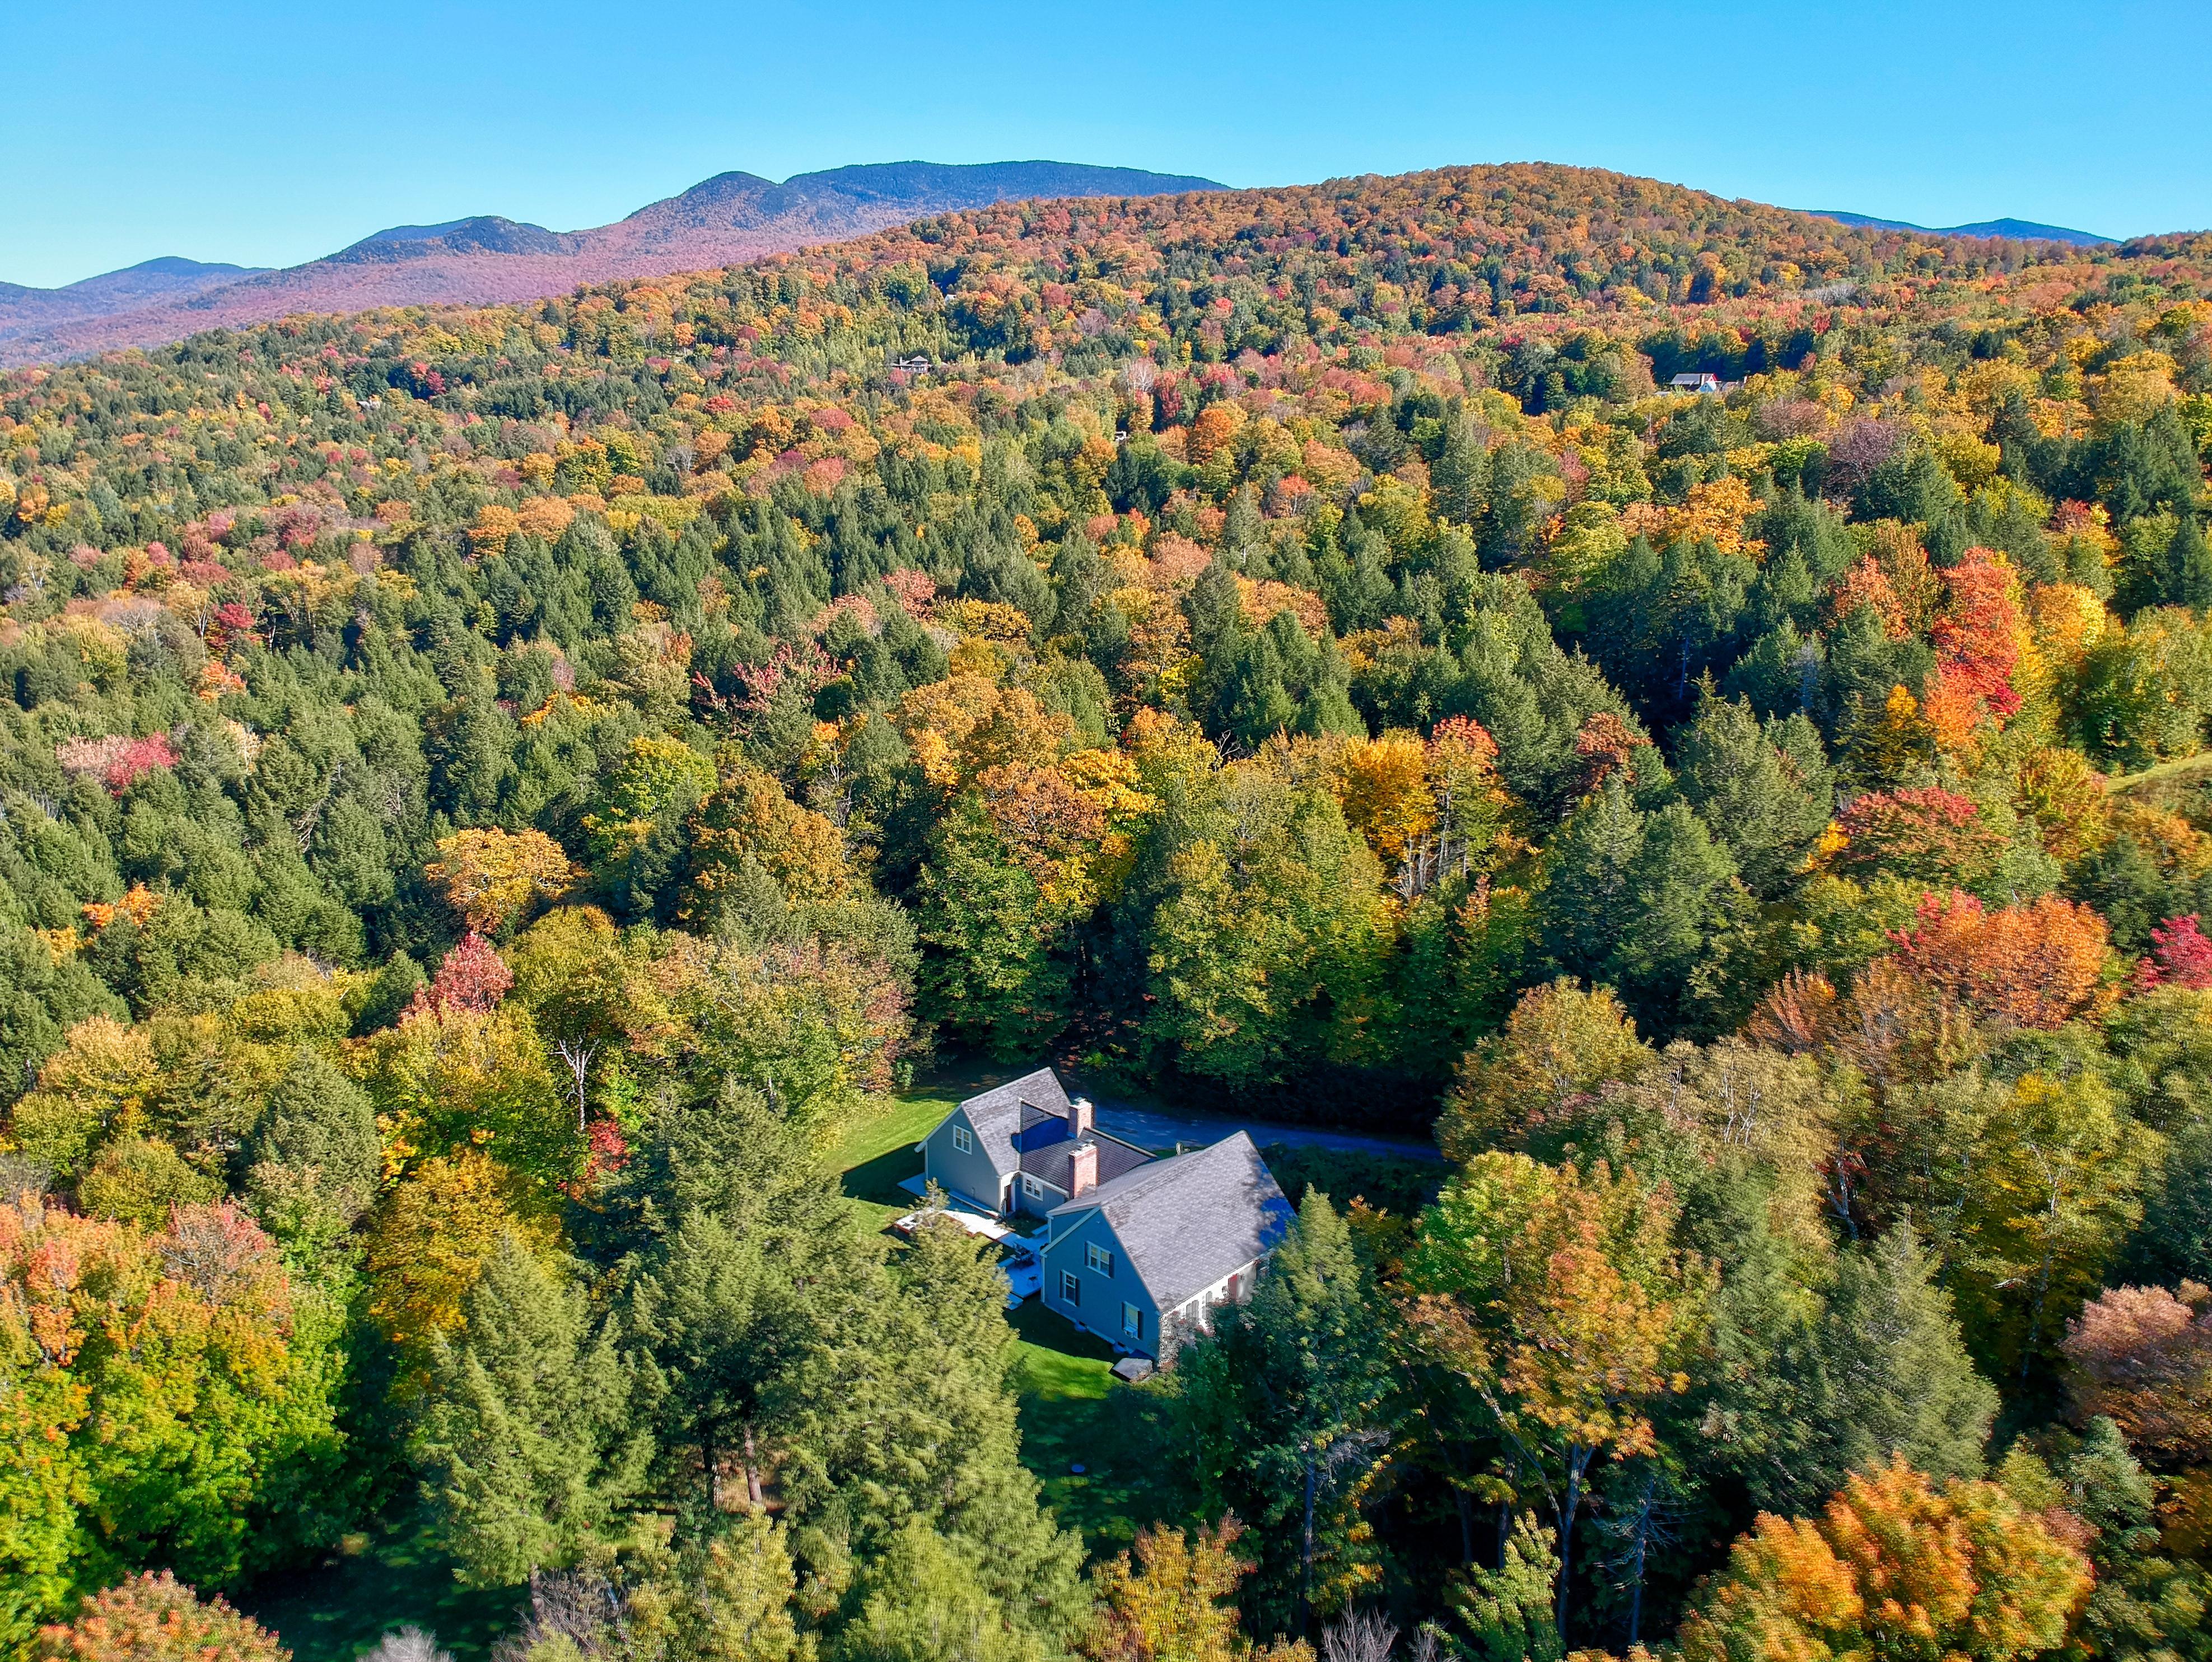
(1103, 1296)
(1036, 1206)
(970, 1174)
(1194, 1318)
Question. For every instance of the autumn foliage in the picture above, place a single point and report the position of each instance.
(2036, 966)
(2143, 1357)
(1928, 833)
(491, 876)
(1894, 1568)
(153, 1618)
(2180, 956)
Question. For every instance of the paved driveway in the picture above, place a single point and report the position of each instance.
(1151, 1128)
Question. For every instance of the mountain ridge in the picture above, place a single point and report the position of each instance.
(2023, 230)
(490, 260)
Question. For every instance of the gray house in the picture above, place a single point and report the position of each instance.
(1138, 1250)
(1013, 1149)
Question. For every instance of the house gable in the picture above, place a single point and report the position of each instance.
(1014, 1130)
(970, 1172)
(1091, 1278)
(1185, 1233)
(1188, 1221)
(997, 1114)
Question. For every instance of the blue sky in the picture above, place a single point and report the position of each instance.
(268, 133)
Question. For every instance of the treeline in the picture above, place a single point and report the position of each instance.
(486, 797)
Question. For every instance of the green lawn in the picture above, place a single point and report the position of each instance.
(875, 1154)
(1073, 1411)
(2188, 768)
(378, 1581)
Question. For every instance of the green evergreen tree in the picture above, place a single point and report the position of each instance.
(1898, 1381)
(533, 1440)
(926, 1599)
(1633, 901)
(2147, 1606)
(901, 1414)
(733, 1224)
(314, 1161)
(1285, 1407)
(1762, 790)
(1681, 892)
(2174, 1242)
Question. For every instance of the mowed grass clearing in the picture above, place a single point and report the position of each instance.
(389, 1576)
(1073, 1410)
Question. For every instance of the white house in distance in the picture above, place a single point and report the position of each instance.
(1139, 1248)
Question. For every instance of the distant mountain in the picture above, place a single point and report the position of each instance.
(488, 260)
(167, 279)
(487, 233)
(2023, 230)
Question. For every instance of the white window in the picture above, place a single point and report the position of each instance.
(1031, 1187)
(963, 1141)
(1133, 1321)
(1099, 1257)
(1070, 1288)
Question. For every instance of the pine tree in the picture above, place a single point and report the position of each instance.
(315, 1159)
(1898, 1381)
(1764, 803)
(901, 1413)
(926, 1599)
(2185, 576)
(2146, 1606)
(532, 1439)
(1285, 1405)
(721, 1311)
(1679, 893)
(740, 1222)
(1586, 880)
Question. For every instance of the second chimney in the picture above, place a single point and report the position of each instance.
(1082, 1118)
(1082, 1168)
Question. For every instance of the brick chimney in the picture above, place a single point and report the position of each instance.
(1082, 1118)
(1082, 1168)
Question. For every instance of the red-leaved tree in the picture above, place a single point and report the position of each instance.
(2180, 956)
(472, 977)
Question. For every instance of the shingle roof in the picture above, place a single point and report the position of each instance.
(996, 1114)
(1050, 1160)
(1185, 1223)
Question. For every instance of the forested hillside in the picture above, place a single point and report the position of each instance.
(488, 797)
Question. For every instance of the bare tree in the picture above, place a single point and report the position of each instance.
(578, 1054)
(1360, 1636)
(408, 1644)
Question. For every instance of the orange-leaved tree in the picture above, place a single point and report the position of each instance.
(2143, 1357)
(156, 1618)
(1895, 1570)
(2036, 966)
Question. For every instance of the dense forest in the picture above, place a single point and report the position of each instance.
(488, 798)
